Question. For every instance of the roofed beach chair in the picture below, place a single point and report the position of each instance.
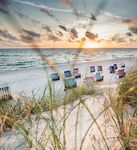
(99, 77)
(88, 80)
(69, 83)
(55, 76)
(99, 68)
(5, 93)
(67, 74)
(76, 73)
(121, 73)
(92, 69)
(112, 69)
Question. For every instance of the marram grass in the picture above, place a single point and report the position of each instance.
(22, 116)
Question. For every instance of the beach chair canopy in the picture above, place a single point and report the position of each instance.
(67, 74)
(76, 73)
(70, 82)
(122, 65)
(75, 69)
(92, 69)
(55, 76)
(99, 68)
(112, 69)
(115, 66)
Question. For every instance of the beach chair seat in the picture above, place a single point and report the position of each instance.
(67, 74)
(55, 76)
(70, 83)
(76, 73)
(5, 93)
(92, 69)
(88, 79)
(99, 68)
(99, 77)
(112, 69)
(121, 73)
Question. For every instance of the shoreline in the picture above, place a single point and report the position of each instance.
(36, 80)
(64, 64)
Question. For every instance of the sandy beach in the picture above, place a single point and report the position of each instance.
(35, 80)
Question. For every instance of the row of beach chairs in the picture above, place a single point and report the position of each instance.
(69, 78)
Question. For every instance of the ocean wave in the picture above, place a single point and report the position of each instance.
(20, 59)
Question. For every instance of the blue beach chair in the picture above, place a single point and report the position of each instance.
(112, 69)
(99, 77)
(67, 74)
(55, 76)
(70, 83)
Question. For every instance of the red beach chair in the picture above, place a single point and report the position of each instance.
(99, 68)
(76, 73)
(121, 73)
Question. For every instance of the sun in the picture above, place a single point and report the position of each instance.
(90, 44)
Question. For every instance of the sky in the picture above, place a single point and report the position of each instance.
(68, 23)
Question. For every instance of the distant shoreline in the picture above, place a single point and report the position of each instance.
(63, 64)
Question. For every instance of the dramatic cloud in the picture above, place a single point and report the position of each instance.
(63, 28)
(47, 28)
(5, 34)
(129, 34)
(132, 24)
(53, 37)
(133, 29)
(78, 14)
(93, 17)
(29, 36)
(117, 38)
(59, 33)
(46, 12)
(91, 36)
(126, 21)
(73, 33)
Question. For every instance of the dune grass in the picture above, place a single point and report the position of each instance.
(123, 110)
(10, 113)
(128, 88)
(27, 114)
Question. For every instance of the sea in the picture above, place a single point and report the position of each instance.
(20, 59)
